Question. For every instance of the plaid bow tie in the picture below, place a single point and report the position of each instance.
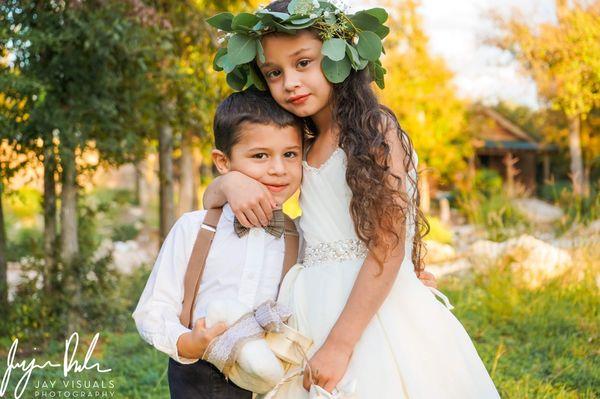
(275, 227)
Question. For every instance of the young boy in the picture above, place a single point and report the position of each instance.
(254, 136)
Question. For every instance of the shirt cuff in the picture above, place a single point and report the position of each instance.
(176, 330)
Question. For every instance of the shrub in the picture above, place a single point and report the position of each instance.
(125, 232)
(487, 204)
(437, 231)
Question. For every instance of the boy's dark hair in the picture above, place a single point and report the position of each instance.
(253, 106)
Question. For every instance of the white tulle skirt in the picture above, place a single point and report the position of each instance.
(413, 347)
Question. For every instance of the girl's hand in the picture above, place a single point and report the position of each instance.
(250, 201)
(428, 279)
(328, 366)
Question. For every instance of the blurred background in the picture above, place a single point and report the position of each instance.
(105, 136)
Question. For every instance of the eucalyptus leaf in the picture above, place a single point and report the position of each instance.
(221, 21)
(377, 72)
(226, 63)
(255, 79)
(244, 21)
(283, 28)
(336, 71)
(260, 51)
(281, 15)
(369, 46)
(364, 21)
(379, 13)
(236, 79)
(300, 21)
(382, 31)
(303, 26)
(335, 49)
(241, 48)
(362, 64)
(352, 54)
(357, 63)
(217, 62)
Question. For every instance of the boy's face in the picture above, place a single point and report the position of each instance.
(268, 153)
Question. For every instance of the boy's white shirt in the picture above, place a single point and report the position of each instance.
(247, 269)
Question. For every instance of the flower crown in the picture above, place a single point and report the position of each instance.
(349, 41)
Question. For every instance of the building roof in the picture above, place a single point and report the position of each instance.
(510, 127)
(496, 132)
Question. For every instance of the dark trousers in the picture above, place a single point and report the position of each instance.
(201, 380)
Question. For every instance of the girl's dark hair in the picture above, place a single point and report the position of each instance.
(376, 208)
(248, 106)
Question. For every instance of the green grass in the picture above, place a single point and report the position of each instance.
(541, 343)
(137, 369)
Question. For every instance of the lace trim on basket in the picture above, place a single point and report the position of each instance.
(223, 350)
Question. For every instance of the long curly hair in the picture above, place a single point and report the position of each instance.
(380, 200)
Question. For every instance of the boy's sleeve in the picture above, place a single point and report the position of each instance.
(157, 313)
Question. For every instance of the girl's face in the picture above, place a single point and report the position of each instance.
(292, 69)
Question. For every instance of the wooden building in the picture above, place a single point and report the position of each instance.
(520, 158)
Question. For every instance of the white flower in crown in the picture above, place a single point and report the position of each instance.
(305, 7)
(340, 5)
(316, 3)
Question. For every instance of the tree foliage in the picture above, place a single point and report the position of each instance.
(421, 93)
(563, 58)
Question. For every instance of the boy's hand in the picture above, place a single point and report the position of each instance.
(251, 202)
(193, 344)
(428, 279)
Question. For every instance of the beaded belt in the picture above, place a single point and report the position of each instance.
(334, 251)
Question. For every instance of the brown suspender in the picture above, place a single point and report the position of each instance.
(195, 268)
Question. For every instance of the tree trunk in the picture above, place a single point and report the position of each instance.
(186, 183)
(50, 228)
(165, 155)
(3, 260)
(587, 173)
(577, 175)
(137, 185)
(69, 246)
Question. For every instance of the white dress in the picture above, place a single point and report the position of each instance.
(413, 347)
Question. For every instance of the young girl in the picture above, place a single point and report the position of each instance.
(378, 332)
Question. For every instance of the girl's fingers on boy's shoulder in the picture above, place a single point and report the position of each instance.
(251, 218)
(241, 217)
(262, 216)
(269, 202)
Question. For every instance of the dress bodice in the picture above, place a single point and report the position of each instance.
(325, 201)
